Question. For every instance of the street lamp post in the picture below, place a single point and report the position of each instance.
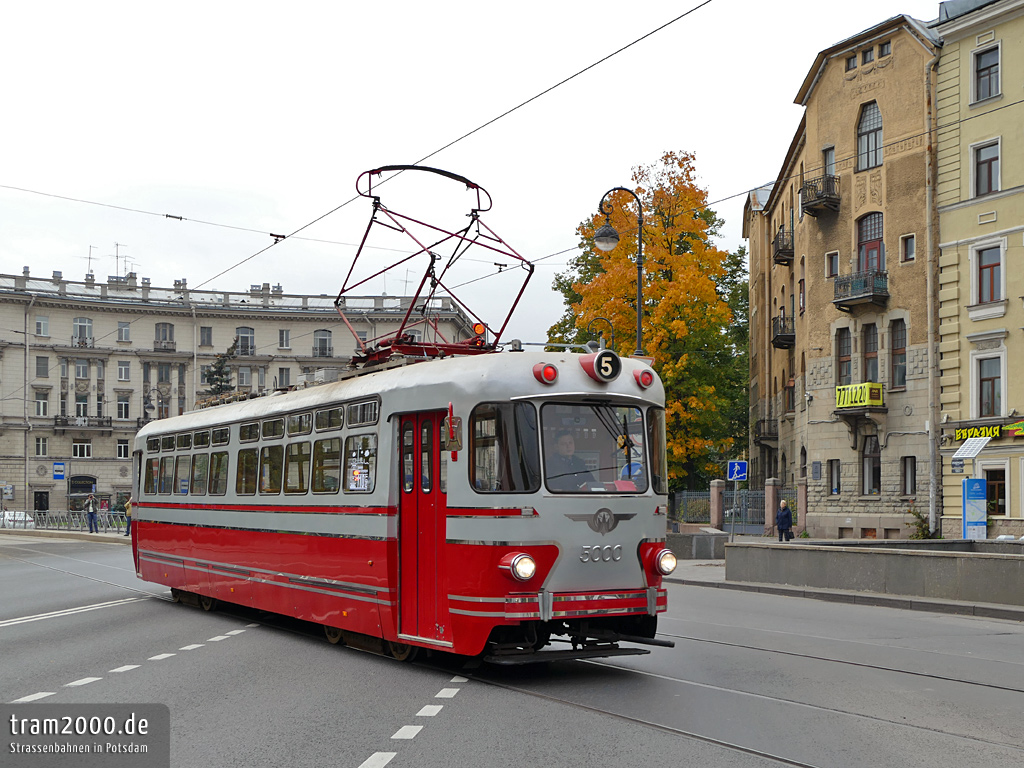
(606, 238)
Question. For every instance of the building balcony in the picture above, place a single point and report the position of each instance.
(871, 287)
(820, 195)
(245, 350)
(766, 430)
(63, 423)
(782, 247)
(323, 351)
(783, 332)
(164, 346)
(83, 342)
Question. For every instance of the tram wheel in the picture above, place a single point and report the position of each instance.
(334, 635)
(175, 595)
(402, 651)
(207, 603)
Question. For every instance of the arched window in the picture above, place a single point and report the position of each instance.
(803, 461)
(870, 248)
(869, 137)
(871, 461)
(246, 341)
(322, 344)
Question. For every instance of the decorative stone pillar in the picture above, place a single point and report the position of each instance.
(717, 502)
(771, 503)
(801, 504)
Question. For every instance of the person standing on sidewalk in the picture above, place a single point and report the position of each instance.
(90, 514)
(784, 521)
(128, 516)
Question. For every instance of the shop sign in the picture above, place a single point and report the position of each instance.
(868, 394)
(996, 431)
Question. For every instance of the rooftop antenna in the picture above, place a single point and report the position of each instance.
(89, 257)
(117, 260)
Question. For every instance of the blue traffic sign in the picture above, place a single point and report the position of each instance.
(58, 470)
(737, 471)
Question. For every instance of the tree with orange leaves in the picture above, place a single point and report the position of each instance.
(693, 294)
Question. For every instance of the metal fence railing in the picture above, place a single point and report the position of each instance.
(108, 522)
(690, 507)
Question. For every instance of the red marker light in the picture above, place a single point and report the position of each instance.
(644, 378)
(545, 373)
(479, 328)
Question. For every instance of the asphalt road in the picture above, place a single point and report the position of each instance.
(754, 680)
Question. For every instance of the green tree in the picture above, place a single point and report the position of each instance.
(218, 378)
(694, 313)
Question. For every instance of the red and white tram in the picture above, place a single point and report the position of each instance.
(480, 505)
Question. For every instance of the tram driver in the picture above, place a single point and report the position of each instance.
(565, 470)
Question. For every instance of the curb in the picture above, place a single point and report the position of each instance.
(901, 602)
(108, 538)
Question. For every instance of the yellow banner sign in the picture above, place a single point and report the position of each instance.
(868, 394)
(968, 432)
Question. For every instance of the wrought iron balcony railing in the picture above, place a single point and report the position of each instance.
(323, 351)
(820, 195)
(766, 429)
(783, 332)
(164, 346)
(871, 287)
(782, 247)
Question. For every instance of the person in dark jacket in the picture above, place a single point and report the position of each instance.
(90, 514)
(784, 521)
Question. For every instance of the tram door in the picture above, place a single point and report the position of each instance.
(423, 507)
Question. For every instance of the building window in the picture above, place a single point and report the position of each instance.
(122, 449)
(41, 446)
(908, 248)
(986, 74)
(81, 331)
(851, 63)
(42, 326)
(81, 369)
(322, 344)
(124, 331)
(898, 343)
(100, 370)
(246, 341)
(989, 275)
(870, 248)
(164, 332)
(81, 449)
(995, 487)
(885, 49)
(63, 406)
(163, 408)
(99, 405)
(284, 339)
(244, 376)
(869, 137)
(871, 462)
(42, 367)
(124, 406)
(81, 405)
(990, 387)
(870, 338)
(832, 264)
(866, 57)
(834, 476)
(42, 403)
(908, 475)
(284, 377)
(803, 298)
(844, 367)
(986, 169)
(204, 371)
(163, 373)
(205, 336)
(124, 370)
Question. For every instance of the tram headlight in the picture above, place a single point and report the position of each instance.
(519, 565)
(665, 561)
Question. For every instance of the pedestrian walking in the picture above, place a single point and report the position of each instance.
(128, 516)
(784, 521)
(90, 514)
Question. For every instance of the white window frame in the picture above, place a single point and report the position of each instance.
(284, 338)
(43, 325)
(126, 452)
(244, 375)
(976, 356)
(81, 368)
(904, 475)
(993, 309)
(44, 408)
(975, 54)
(980, 465)
(836, 273)
(284, 377)
(124, 370)
(972, 149)
(903, 248)
(124, 331)
(124, 406)
(206, 331)
(81, 449)
(42, 446)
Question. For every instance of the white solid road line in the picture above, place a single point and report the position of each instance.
(69, 611)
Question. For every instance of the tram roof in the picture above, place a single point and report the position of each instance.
(432, 384)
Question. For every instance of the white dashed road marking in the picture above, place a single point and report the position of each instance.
(217, 639)
(458, 679)
(378, 760)
(430, 710)
(83, 681)
(160, 657)
(33, 697)
(235, 632)
(408, 732)
(446, 693)
(126, 668)
(192, 647)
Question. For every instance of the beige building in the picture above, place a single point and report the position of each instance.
(840, 272)
(980, 199)
(83, 365)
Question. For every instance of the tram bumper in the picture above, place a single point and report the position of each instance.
(548, 606)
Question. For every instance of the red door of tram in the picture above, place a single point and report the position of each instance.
(423, 507)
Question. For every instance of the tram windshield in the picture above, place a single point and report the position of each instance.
(594, 448)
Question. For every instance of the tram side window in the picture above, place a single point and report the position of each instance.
(504, 448)
(166, 474)
(331, 418)
(408, 460)
(656, 446)
(300, 424)
(153, 444)
(246, 473)
(201, 440)
(249, 432)
(296, 472)
(271, 464)
(221, 436)
(167, 443)
(200, 472)
(327, 465)
(182, 470)
(273, 428)
(184, 441)
(360, 463)
(219, 474)
(152, 472)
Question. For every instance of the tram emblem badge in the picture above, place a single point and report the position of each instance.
(603, 521)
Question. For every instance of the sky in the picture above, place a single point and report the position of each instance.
(239, 116)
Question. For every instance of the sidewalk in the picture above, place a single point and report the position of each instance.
(110, 537)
